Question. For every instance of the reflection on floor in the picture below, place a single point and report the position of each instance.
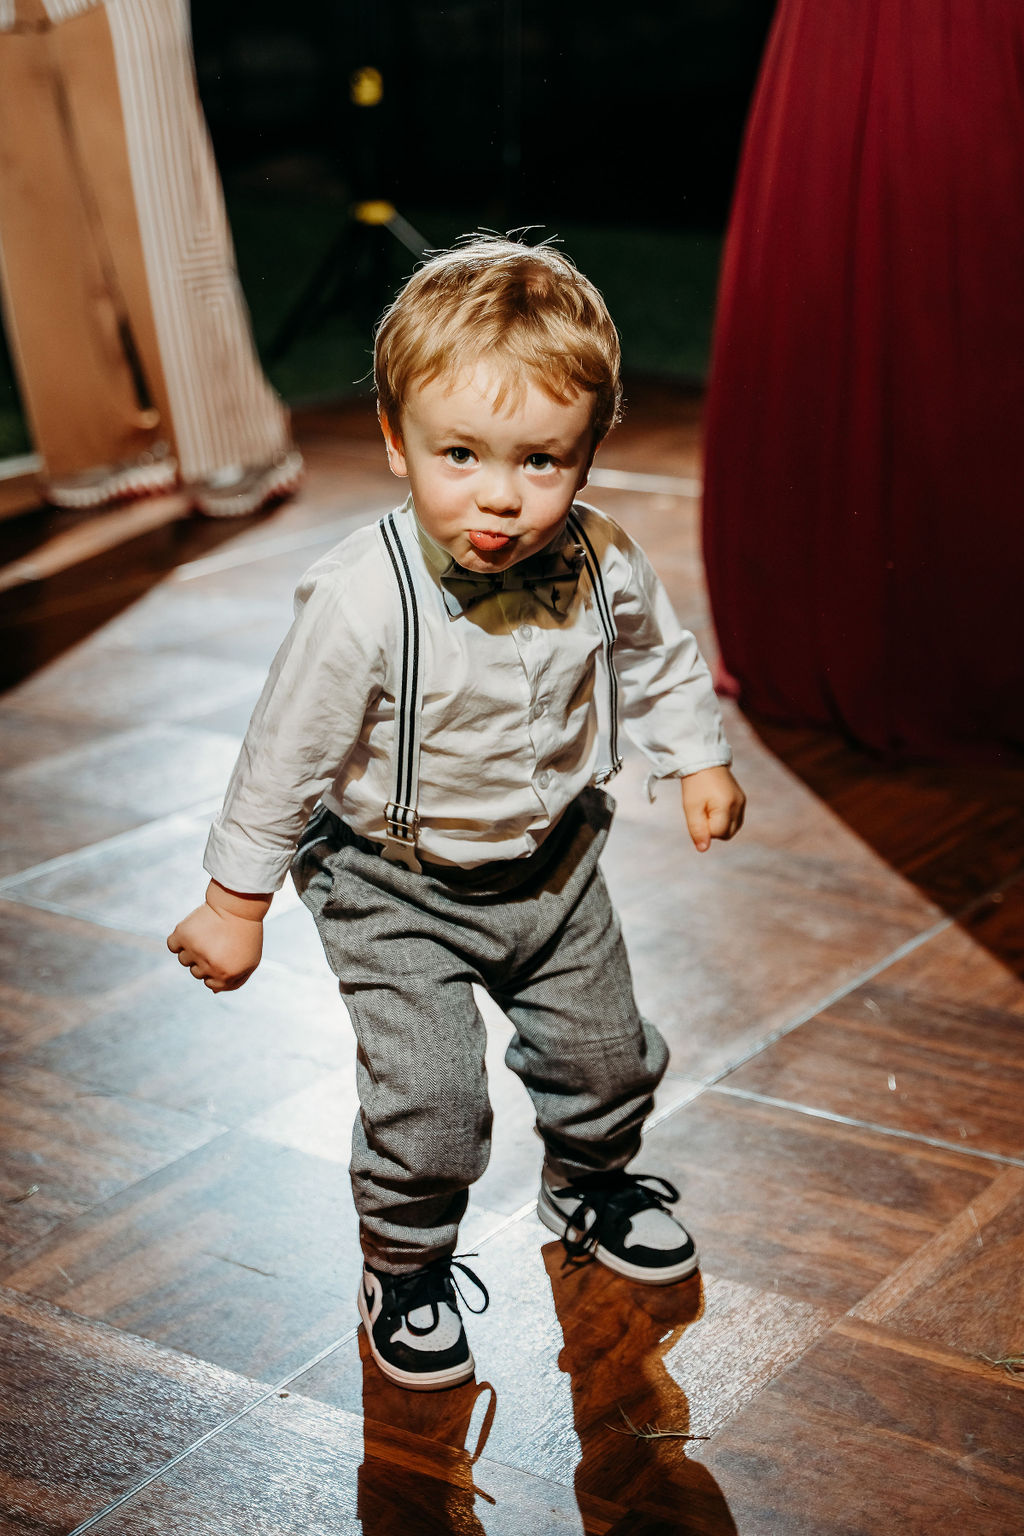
(842, 991)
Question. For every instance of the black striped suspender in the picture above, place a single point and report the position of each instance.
(605, 618)
(400, 814)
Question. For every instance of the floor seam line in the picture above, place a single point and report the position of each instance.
(836, 995)
(211, 1434)
(63, 861)
(252, 554)
(58, 909)
(289, 1380)
(751, 1095)
(950, 920)
(688, 487)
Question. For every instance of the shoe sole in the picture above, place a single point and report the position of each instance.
(554, 1220)
(132, 484)
(416, 1381)
(285, 483)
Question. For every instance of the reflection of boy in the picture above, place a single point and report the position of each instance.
(497, 377)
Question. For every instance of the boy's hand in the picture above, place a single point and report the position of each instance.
(713, 805)
(221, 942)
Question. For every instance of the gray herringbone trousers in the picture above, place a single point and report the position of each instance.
(540, 935)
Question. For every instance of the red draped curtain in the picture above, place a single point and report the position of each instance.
(864, 501)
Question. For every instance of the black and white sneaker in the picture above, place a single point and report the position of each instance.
(622, 1220)
(413, 1325)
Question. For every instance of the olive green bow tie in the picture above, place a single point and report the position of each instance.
(551, 578)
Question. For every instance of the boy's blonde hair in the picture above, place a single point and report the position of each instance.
(521, 309)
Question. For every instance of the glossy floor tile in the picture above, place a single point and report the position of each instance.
(930, 1046)
(59, 804)
(295, 1466)
(571, 1359)
(241, 1253)
(873, 1433)
(842, 990)
(954, 832)
(56, 970)
(88, 1411)
(965, 1288)
(791, 1202)
(224, 1056)
(883, 1058)
(65, 1148)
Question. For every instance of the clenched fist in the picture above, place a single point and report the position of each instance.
(221, 942)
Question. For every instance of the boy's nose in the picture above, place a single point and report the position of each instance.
(498, 492)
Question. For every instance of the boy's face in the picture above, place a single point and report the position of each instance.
(492, 487)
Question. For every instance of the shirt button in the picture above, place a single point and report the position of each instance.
(526, 632)
(536, 711)
(544, 779)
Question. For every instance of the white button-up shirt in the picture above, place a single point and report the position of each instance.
(509, 732)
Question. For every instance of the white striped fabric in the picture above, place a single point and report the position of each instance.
(222, 408)
(56, 10)
(63, 10)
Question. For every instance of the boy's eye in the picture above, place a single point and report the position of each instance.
(459, 455)
(540, 461)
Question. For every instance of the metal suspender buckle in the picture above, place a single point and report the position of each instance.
(609, 772)
(402, 822)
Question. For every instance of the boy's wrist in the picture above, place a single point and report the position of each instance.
(226, 903)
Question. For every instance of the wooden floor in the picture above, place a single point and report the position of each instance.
(842, 991)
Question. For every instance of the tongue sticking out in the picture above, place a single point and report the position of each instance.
(488, 542)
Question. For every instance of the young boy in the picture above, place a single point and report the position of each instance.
(438, 694)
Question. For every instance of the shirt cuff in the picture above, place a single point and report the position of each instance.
(241, 865)
(722, 759)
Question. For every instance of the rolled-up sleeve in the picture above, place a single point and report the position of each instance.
(305, 725)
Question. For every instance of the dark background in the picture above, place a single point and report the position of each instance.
(533, 109)
(613, 126)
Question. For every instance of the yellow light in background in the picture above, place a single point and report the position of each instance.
(366, 87)
(376, 211)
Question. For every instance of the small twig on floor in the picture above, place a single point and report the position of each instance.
(651, 1431)
(33, 1189)
(222, 1258)
(1012, 1364)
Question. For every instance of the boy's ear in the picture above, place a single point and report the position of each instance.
(393, 444)
(589, 464)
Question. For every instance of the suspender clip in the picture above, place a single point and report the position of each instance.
(609, 772)
(402, 822)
